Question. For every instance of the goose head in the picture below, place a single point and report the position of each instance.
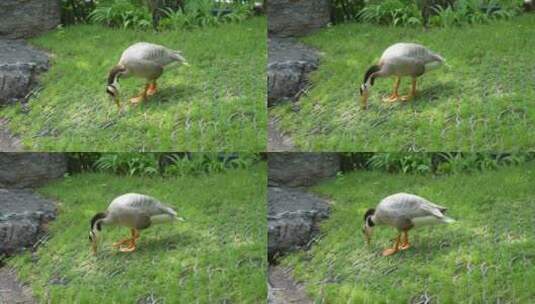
(112, 87)
(367, 227)
(366, 85)
(95, 229)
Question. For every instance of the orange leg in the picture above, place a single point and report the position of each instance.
(412, 94)
(132, 244)
(405, 242)
(393, 250)
(142, 96)
(395, 96)
(152, 88)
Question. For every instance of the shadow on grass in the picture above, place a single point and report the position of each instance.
(172, 94)
(438, 91)
(172, 242)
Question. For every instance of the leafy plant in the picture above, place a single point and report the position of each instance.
(466, 12)
(453, 163)
(420, 163)
(129, 163)
(443, 163)
(122, 13)
(345, 10)
(206, 163)
(391, 12)
(76, 11)
(403, 12)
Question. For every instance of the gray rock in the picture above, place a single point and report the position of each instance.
(12, 290)
(277, 140)
(293, 218)
(28, 18)
(283, 289)
(20, 65)
(297, 17)
(301, 169)
(288, 67)
(23, 218)
(23, 170)
(8, 141)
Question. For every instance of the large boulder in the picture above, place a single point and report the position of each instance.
(28, 18)
(23, 170)
(301, 169)
(289, 64)
(297, 17)
(23, 219)
(20, 66)
(293, 220)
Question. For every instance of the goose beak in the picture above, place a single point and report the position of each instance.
(113, 93)
(186, 64)
(367, 231)
(94, 247)
(364, 100)
(180, 219)
(118, 103)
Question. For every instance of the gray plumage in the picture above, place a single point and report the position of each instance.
(408, 59)
(398, 60)
(147, 60)
(132, 210)
(138, 211)
(404, 211)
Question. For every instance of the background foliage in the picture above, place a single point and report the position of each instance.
(442, 13)
(442, 163)
(163, 164)
(141, 14)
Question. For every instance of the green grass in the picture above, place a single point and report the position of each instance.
(487, 256)
(216, 256)
(217, 104)
(484, 102)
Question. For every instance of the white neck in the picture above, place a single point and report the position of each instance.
(374, 220)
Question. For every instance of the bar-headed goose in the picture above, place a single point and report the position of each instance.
(132, 210)
(143, 60)
(403, 211)
(400, 59)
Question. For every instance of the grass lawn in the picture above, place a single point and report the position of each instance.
(216, 256)
(484, 102)
(487, 256)
(218, 104)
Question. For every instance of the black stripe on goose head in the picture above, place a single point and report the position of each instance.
(95, 219)
(369, 73)
(114, 73)
(367, 217)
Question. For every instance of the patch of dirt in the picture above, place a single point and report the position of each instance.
(278, 141)
(283, 289)
(8, 142)
(11, 290)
